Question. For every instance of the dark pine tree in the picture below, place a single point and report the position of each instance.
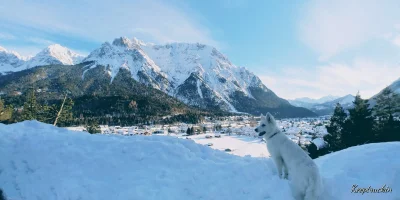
(334, 128)
(387, 104)
(5, 111)
(359, 126)
(31, 107)
(312, 150)
(93, 127)
(389, 130)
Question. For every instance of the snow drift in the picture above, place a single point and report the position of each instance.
(39, 161)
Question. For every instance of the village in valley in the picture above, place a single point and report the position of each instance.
(233, 134)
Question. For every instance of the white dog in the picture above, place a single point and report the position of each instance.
(305, 181)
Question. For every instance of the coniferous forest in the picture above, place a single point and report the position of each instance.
(362, 124)
(86, 110)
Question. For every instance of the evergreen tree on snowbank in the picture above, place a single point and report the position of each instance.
(335, 127)
(363, 125)
(359, 127)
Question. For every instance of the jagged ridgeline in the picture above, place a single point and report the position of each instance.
(195, 74)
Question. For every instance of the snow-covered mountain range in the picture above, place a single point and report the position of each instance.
(307, 102)
(327, 106)
(10, 60)
(197, 74)
(55, 54)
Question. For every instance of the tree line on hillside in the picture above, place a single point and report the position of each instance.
(110, 110)
(56, 114)
(362, 124)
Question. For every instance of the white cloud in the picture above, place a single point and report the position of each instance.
(39, 41)
(100, 21)
(396, 40)
(6, 36)
(330, 27)
(337, 79)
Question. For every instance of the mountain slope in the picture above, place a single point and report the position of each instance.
(327, 108)
(54, 54)
(78, 165)
(395, 87)
(10, 61)
(94, 95)
(196, 74)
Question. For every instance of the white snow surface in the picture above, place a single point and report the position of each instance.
(54, 54)
(319, 142)
(240, 145)
(40, 161)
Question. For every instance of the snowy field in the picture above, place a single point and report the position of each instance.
(39, 161)
(239, 145)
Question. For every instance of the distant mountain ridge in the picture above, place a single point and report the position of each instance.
(319, 100)
(306, 102)
(10, 60)
(327, 106)
(55, 54)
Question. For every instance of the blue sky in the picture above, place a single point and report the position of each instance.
(297, 48)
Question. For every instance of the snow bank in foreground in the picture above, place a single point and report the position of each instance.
(39, 161)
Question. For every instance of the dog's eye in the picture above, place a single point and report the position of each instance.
(263, 125)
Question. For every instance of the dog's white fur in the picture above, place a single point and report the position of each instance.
(297, 166)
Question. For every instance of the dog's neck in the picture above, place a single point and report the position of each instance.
(273, 135)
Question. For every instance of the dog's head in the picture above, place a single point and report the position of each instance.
(267, 125)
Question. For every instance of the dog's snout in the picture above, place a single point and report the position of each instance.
(256, 129)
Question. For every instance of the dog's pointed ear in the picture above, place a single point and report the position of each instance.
(269, 117)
